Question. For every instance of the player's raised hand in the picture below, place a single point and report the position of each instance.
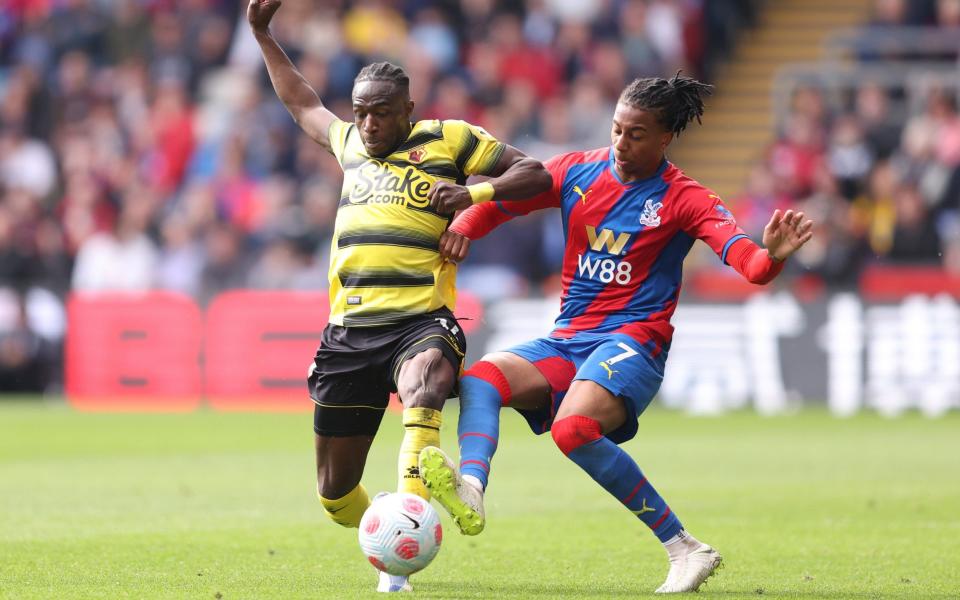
(260, 13)
(786, 233)
(454, 246)
(447, 198)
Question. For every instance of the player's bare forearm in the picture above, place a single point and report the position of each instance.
(522, 178)
(291, 87)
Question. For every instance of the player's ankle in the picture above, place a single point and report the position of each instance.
(680, 543)
(473, 481)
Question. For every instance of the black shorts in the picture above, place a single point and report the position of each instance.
(356, 368)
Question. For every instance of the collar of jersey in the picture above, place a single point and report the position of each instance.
(656, 175)
(363, 152)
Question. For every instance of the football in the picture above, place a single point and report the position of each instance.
(400, 533)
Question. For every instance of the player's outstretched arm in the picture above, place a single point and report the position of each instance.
(516, 176)
(293, 90)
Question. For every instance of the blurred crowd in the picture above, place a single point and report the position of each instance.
(141, 146)
(876, 165)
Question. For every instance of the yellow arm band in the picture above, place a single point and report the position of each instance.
(481, 192)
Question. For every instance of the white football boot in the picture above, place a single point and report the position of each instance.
(462, 499)
(691, 563)
(388, 582)
(393, 583)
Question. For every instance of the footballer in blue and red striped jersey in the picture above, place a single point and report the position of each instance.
(629, 218)
(621, 275)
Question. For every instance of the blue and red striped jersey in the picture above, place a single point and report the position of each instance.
(625, 242)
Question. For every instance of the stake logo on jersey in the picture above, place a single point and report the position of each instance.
(382, 183)
(385, 263)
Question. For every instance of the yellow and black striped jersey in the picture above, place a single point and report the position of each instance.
(384, 260)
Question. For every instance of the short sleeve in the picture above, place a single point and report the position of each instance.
(708, 219)
(477, 151)
(337, 135)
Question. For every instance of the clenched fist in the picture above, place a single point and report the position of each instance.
(454, 246)
(260, 13)
(447, 198)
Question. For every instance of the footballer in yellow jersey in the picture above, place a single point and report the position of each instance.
(391, 324)
(385, 264)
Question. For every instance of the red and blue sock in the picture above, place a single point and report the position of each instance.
(582, 441)
(483, 390)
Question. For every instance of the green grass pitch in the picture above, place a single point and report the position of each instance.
(210, 505)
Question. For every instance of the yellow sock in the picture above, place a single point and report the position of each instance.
(347, 511)
(421, 429)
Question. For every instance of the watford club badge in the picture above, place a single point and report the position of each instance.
(416, 156)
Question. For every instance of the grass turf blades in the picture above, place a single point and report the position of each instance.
(214, 505)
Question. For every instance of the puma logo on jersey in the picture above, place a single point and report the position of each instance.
(607, 368)
(581, 193)
(643, 509)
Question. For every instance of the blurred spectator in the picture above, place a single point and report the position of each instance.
(226, 262)
(795, 158)
(887, 13)
(26, 163)
(452, 100)
(181, 257)
(22, 364)
(556, 132)
(915, 238)
(125, 259)
(881, 130)
(760, 198)
(638, 49)
(14, 260)
(848, 156)
(373, 28)
(432, 34)
(520, 61)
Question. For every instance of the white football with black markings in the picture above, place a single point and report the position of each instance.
(400, 533)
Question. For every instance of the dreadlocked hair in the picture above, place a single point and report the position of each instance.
(676, 101)
(384, 71)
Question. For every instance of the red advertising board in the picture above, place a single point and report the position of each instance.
(259, 346)
(133, 352)
(157, 351)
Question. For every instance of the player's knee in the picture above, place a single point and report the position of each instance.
(330, 487)
(335, 479)
(487, 371)
(575, 431)
(425, 380)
